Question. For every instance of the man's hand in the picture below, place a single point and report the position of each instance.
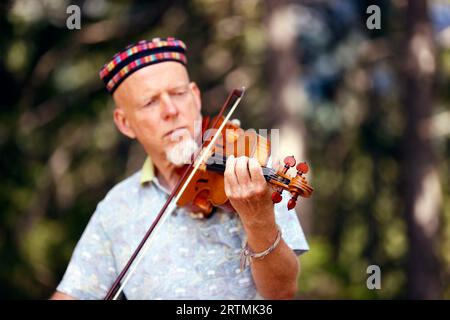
(249, 192)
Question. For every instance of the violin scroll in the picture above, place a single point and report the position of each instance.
(297, 186)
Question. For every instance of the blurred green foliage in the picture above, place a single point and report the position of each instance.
(60, 151)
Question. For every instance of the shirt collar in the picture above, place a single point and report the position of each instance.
(148, 171)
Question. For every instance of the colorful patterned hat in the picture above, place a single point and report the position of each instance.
(139, 55)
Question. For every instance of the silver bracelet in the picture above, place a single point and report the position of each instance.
(247, 254)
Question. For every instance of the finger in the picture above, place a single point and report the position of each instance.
(242, 174)
(230, 179)
(256, 173)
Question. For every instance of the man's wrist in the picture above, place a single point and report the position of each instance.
(263, 219)
(260, 237)
(248, 255)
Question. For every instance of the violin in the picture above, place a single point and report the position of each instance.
(201, 185)
(206, 190)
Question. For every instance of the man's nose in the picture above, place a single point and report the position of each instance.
(169, 109)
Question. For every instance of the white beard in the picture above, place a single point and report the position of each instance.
(181, 153)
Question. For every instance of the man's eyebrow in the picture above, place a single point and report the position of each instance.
(153, 93)
(184, 85)
(147, 98)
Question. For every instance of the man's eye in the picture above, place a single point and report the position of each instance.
(150, 103)
(181, 92)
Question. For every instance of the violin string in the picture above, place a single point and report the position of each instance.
(268, 172)
(219, 162)
(217, 159)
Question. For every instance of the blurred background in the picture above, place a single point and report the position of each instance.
(368, 109)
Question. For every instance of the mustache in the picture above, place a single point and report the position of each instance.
(176, 132)
(181, 153)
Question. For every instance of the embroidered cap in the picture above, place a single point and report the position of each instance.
(139, 55)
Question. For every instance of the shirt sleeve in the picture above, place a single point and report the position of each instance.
(290, 226)
(91, 270)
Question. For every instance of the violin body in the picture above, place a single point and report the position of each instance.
(207, 189)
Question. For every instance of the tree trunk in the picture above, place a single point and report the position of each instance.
(421, 187)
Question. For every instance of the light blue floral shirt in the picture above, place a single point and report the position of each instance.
(190, 259)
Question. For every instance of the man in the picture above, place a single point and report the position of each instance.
(190, 258)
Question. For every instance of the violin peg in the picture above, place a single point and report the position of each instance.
(289, 161)
(276, 197)
(302, 167)
(291, 204)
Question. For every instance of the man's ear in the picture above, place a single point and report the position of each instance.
(122, 123)
(197, 95)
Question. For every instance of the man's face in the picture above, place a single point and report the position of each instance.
(158, 106)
